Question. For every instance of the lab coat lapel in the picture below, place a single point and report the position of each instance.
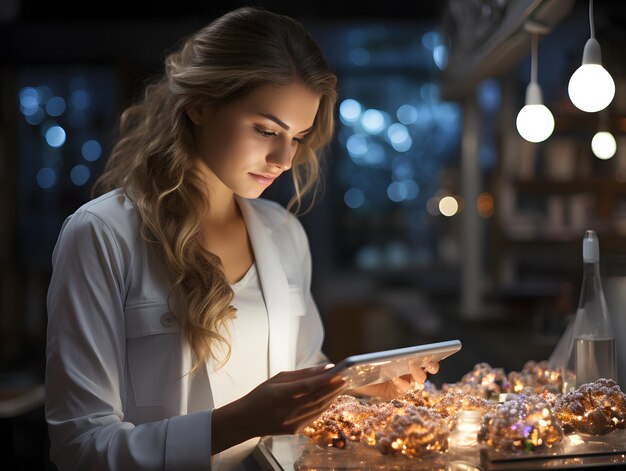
(275, 289)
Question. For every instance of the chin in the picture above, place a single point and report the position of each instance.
(250, 193)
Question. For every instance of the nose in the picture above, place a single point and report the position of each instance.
(281, 156)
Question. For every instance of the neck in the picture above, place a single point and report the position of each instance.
(222, 207)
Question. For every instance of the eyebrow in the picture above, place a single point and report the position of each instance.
(282, 124)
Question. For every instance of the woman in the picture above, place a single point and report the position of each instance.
(181, 325)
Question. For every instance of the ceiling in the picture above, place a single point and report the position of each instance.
(38, 10)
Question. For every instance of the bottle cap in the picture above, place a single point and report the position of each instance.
(591, 247)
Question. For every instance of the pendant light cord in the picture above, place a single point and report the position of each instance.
(533, 58)
(591, 27)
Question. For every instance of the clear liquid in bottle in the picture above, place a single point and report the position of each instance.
(595, 358)
(594, 340)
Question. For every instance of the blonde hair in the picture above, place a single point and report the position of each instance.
(152, 160)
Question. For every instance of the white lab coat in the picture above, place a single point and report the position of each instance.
(117, 393)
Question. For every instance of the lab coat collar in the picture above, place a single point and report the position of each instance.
(275, 288)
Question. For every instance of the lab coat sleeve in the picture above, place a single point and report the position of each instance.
(85, 355)
(311, 331)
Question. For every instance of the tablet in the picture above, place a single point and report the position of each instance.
(379, 367)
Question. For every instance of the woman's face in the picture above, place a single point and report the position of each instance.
(243, 146)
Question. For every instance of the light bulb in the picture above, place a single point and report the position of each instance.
(591, 88)
(603, 145)
(535, 123)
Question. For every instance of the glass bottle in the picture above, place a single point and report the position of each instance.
(465, 434)
(594, 340)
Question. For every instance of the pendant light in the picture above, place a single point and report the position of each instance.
(591, 88)
(603, 144)
(534, 122)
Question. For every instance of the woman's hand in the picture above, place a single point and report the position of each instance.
(397, 386)
(283, 404)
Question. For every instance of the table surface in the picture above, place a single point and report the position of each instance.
(297, 452)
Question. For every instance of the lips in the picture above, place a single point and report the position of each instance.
(263, 179)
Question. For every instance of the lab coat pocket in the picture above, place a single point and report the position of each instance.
(153, 353)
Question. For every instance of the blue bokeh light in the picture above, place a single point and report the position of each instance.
(431, 39)
(488, 95)
(412, 189)
(373, 121)
(354, 198)
(80, 175)
(29, 97)
(46, 178)
(397, 192)
(55, 136)
(359, 56)
(403, 146)
(399, 137)
(368, 257)
(406, 114)
(55, 106)
(91, 150)
(29, 110)
(357, 145)
(350, 110)
(397, 133)
(440, 56)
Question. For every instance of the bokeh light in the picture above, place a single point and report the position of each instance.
(373, 121)
(406, 114)
(46, 178)
(91, 150)
(484, 205)
(350, 110)
(55, 136)
(448, 206)
(354, 198)
(80, 99)
(55, 106)
(80, 175)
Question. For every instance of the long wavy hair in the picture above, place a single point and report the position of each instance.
(152, 159)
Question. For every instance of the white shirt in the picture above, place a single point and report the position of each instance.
(118, 396)
(247, 366)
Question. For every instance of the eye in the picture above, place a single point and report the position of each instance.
(265, 133)
(299, 140)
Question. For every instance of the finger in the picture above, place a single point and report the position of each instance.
(336, 385)
(289, 376)
(432, 367)
(306, 386)
(418, 374)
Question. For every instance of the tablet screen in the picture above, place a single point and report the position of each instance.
(379, 367)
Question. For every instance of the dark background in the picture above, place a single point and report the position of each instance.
(386, 273)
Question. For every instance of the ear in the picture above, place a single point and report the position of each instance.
(196, 114)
